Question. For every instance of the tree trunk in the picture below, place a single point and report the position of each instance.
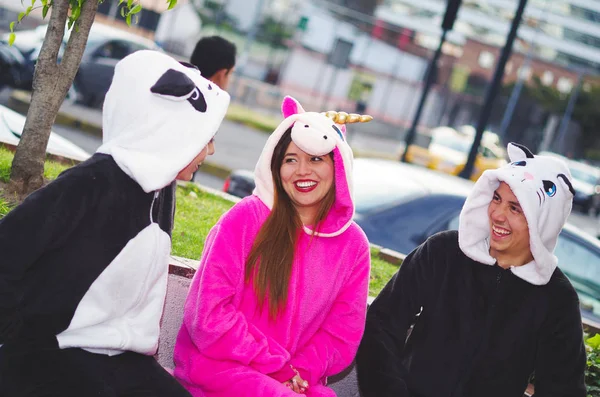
(51, 82)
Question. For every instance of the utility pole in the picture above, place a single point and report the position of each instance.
(566, 119)
(492, 90)
(516, 92)
(247, 45)
(447, 24)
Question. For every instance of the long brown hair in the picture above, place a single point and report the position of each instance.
(272, 255)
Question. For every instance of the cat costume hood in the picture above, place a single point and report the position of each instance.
(542, 184)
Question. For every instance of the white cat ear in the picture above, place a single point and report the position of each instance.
(566, 183)
(518, 152)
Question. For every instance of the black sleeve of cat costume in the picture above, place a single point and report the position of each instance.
(379, 367)
(560, 360)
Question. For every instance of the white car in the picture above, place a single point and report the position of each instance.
(11, 127)
(105, 47)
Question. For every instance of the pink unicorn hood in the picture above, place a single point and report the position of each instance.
(318, 135)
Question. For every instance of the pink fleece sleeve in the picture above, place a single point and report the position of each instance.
(334, 345)
(217, 329)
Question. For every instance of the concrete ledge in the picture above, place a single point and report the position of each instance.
(393, 257)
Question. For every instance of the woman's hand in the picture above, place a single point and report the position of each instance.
(297, 384)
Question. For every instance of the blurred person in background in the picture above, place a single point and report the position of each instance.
(215, 56)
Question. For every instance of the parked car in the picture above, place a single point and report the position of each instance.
(105, 47)
(11, 127)
(13, 68)
(449, 149)
(586, 182)
(400, 205)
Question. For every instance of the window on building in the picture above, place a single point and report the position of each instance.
(571, 60)
(547, 78)
(524, 72)
(486, 59)
(584, 13)
(564, 85)
(582, 38)
(509, 67)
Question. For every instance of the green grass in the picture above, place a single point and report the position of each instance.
(252, 118)
(6, 157)
(197, 212)
(4, 207)
(381, 272)
(51, 168)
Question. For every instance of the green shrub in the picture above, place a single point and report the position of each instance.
(592, 372)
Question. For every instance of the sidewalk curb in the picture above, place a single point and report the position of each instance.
(19, 102)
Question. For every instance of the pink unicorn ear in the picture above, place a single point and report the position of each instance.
(290, 106)
(343, 129)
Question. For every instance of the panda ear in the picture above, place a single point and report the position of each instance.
(174, 85)
(518, 152)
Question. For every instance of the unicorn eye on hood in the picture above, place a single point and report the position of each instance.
(158, 115)
(543, 187)
(317, 135)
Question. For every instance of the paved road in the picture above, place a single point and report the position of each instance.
(90, 143)
(238, 146)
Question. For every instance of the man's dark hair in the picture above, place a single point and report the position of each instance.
(213, 54)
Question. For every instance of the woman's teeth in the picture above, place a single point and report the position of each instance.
(305, 184)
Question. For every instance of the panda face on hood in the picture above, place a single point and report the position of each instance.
(158, 116)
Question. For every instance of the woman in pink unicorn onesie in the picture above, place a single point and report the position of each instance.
(278, 303)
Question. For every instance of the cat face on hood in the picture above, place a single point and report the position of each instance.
(509, 231)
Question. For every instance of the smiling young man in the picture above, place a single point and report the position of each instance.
(486, 306)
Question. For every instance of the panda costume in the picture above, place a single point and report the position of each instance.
(84, 260)
(479, 329)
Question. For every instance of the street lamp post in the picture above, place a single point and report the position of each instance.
(239, 70)
(492, 90)
(566, 119)
(447, 24)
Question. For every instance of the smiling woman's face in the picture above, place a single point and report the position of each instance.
(306, 179)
